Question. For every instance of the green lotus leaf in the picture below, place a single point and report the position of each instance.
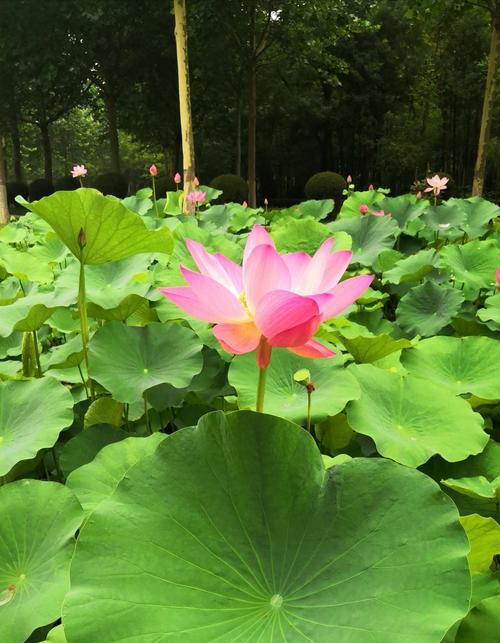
(350, 207)
(316, 209)
(278, 549)
(52, 251)
(10, 290)
(426, 309)
(104, 410)
(294, 235)
(472, 264)
(216, 218)
(334, 433)
(24, 266)
(29, 313)
(173, 204)
(451, 215)
(32, 414)
(412, 268)
(39, 521)
(411, 419)
(213, 242)
(11, 346)
(491, 312)
(66, 355)
(475, 486)
(334, 385)
(478, 214)
(56, 635)
(370, 349)
(461, 364)
(370, 236)
(84, 447)
(140, 203)
(243, 218)
(143, 357)
(482, 623)
(96, 481)
(403, 208)
(111, 231)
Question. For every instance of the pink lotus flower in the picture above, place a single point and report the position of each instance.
(378, 213)
(196, 183)
(177, 178)
(498, 278)
(436, 184)
(363, 208)
(370, 187)
(153, 170)
(266, 202)
(349, 179)
(245, 204)
(272, 299)
(197, 196)
(78, 171)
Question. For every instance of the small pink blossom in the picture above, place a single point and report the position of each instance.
(349, 179)
(266, 202)
(363, 208)
(196, 183)
(378, 213)
(419, 194)
(197, 196)
(78, 171)
(498, 278)
(153, 170)
(444, 226)
(272, 300)
(245, 204)
(436, 184)
(177, 178)
(370, 187)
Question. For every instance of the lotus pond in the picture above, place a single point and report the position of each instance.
(303, 449)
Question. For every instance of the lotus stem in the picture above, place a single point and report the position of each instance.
(37, 354)
(84, 325)
(261, 389)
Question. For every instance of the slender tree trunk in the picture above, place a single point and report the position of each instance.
(237, 162)
(188, 158)
(112, 118)
(488, 102)
(47, 150)
(252, 110)
(4, 206)
(16, 152)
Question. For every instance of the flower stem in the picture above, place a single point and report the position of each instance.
(261, 389)
(154, 195)
(84, 325)
(146, 415)
(308, 425)
(37, 355)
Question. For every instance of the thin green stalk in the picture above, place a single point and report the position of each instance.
(261, 389)
(154, 195)
(60, 475)
(83, 380)
(37, 355)
(308, 425)
(84, 325)
(148, 422)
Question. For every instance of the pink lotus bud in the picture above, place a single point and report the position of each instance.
(370, 187)
(196, 183)
(266, 202)
(349, 179)
(419, 195)
(378, 213)
(177, 178)
(245, 204)
(363, 208)
(153, 170)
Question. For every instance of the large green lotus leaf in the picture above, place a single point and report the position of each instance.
(482, 624)
(56, 635)
(478, 213)
(11, 346)
(426, 309)
(96, 481)
(37, 528)
(350, 207)
(334, 385)
(491, 312)
(403, 208)
(10, 290)
(461, 364)
(294, 235)
(243, 217)
(371, 349)
(112, 232)
(66, 355)
(84, 447)
(472, 264)
(370, 236)
(317, 209)
(412, 268)
(435, 217)
(104, 410)
(411, 419)
(215, 218)
(234, 531)
(52, 251)
(475, 486)
(484, 538)
(32, 414)
(128, 360)
(213, 242)
(24, 266)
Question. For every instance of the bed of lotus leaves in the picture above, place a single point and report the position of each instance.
(165, 509)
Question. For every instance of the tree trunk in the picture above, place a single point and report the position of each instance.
(252, 110)
(16, 152)
(112, 118)
(188, 158)
(489, 96)
(47, 150)
(4, 206)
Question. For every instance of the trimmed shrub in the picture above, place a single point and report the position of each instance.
(325, 185)
(66, 183)
(112, 183)
(40, 188)
(14, 188)
(234, 188)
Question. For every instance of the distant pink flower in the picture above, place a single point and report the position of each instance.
(266, 202)
(197, 196)
(153, 170)
(349, 179)
(196, 183)
(245, 204)
(370, 187)
(436, 184)
(419, 194)
(272, 299)
(363, 208)
(177, 178)
(498, 278)
(378, 213)
(78, 171)
(444, 226)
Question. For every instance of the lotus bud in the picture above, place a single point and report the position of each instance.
(363, 208)
(153, 170)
